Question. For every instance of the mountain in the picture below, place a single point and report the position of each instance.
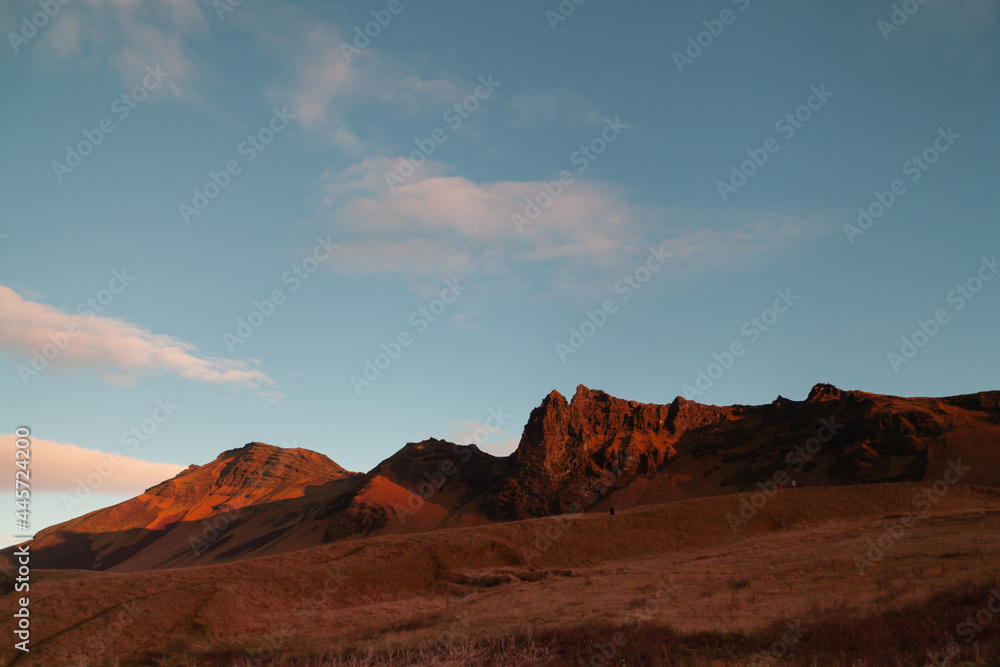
(180, 513)
(596, 451)
(590, 453)
(261, 499)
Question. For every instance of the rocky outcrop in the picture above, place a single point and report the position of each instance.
(596, 450)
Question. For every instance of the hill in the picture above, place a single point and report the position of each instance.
(663, 584)
(587, 454)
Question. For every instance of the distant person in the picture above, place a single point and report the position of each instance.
(794, 484)
(612, 510)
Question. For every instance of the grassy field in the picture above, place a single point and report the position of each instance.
(667, 584)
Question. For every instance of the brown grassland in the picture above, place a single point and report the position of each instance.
(667, 584)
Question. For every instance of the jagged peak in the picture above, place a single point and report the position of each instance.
(824, 392)
(554, 397)
(585, 393)
(247, 449)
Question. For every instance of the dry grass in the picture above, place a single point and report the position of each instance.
(834, 638)
(704, 596)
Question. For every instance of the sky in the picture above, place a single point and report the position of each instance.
(348, 226)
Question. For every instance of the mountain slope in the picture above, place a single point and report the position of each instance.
(180, 512)
(795, 560)
(586, 454)
(597, 450)
(261, 499)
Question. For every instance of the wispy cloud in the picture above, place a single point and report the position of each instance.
(437, 225)
(440, 224)
(65, 467)
(551, 106)
(485, 436)
(745, 245)
(114, 349)
(329, 94)
(128, 34)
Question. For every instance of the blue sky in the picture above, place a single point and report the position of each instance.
(237, 156)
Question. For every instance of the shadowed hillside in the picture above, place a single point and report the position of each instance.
(586, 454)
(665, 584)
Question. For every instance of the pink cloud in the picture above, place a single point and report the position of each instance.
(438, 225)
(114, 349)
(61, 468)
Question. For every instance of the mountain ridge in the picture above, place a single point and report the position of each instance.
(589, 453)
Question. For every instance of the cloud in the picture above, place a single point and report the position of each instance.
(434, 226)
(487, 438)
(745, 245)
(957, 29)
(59, 468)
(114, 349)
(966, 19)
(551, 106)
(128, 34)
(333, 97)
